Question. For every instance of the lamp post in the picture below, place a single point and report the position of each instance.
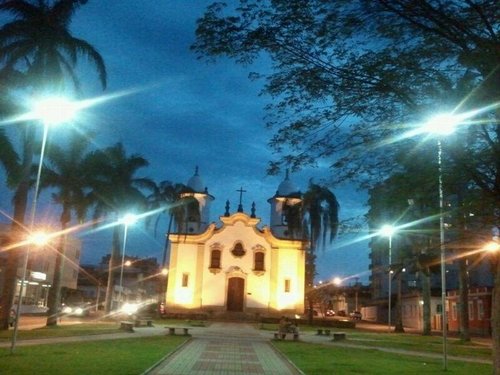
(444, 124)
(50, 111)
(127, 220)
(388, 231)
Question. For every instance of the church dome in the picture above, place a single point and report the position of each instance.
(196, 183)
(287, 187)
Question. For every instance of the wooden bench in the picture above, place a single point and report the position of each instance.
(282, 335)
(339, 336)
(143, 321)
(127, 326)
(171, 330)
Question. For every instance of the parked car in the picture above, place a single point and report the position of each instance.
(330, 313)
(341, 313)
(356, 315)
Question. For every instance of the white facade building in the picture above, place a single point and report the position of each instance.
(236, 267)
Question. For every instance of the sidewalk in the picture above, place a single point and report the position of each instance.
(226, 348)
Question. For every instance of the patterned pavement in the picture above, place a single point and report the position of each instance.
(226, 349)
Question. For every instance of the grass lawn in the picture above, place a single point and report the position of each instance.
(405, 341)
(322, 359)
(61, 331)
(124, 356)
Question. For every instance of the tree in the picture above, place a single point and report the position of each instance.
(36, 45)
(117, 191)
(345, 75)
(68, 171)
(315, 219)
(350, 76)
(169, 196)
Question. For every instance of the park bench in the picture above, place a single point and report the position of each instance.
(171, 330)
(146, 321)
(127, 326)
(339, 336)
(283, 335)
(325, 332)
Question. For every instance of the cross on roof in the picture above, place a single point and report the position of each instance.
(240, 206)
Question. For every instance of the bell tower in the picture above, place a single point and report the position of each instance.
(196, 221)
(286, 198)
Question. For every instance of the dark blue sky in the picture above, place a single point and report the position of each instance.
(186, 113)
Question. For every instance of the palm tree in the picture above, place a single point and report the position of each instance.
(37, 45)
(317, 219)
(69, 172)
(117, 190)
(171, 197)
(38, 42)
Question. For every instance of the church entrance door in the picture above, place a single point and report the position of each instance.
(235, 294)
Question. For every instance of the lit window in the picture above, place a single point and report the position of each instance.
(259, 261)
(185, 280)
(215, 259)
(454, 311)
(287, 285)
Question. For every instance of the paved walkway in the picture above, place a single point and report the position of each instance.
(226, 348)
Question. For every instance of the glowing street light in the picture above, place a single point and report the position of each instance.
(38, 239)
(337, 281)
(492, 247)
(49, 111)
(443, 124)
(128, 219)
(55, 110)
(388, 231)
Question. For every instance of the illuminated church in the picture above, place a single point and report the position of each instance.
(237, 267)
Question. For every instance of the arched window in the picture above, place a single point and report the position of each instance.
(215, 258)
(259, 261)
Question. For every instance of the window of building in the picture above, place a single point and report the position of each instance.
(480, 309)
(185, 280)
(453, 311)
(215, 258)
(471, 310)
(259, 261)
(439, 308)
(287, 285)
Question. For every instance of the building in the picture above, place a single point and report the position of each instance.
(41, 269)
(140, 282)
(479, 308)
(237, 266)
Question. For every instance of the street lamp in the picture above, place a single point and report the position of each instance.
(127, 220)
(388, 231)
(442, 125)
(50, 111)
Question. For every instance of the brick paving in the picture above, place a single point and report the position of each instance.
(226, 349)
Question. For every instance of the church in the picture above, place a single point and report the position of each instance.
(236, 266)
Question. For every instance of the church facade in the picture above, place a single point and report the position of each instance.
(237, 265)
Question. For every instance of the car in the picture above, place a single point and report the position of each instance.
(76, 309)
(341, 313)
(330, 313)
(355, 315)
